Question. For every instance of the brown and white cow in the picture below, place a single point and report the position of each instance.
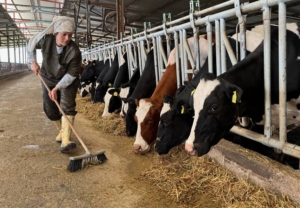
(148, 112)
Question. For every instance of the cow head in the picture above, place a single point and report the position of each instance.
(85, 88)
(174, 127)
(216, 110)
(100, 91)
(115, 101)
(124, 92)
(147, 118)
(88, 73)
(131, 125)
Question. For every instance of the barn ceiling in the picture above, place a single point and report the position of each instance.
(20, 19)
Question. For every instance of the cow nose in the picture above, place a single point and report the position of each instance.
(137, 148)
(190, 148)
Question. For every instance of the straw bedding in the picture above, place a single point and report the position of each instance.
(184, 178)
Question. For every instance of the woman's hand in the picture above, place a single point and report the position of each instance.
(35, 67)
(53, 93)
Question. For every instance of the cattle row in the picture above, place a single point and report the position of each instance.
(203, 110)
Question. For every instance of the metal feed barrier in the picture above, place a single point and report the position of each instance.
(196, 22)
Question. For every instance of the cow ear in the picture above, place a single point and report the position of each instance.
(168, 99)
(182, 107)
(234, 93)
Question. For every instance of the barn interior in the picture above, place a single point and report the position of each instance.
(103, 21)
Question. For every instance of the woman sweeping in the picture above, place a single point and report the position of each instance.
(60, 69)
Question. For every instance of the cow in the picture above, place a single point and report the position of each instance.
(144, 88)
(89, 76)
(149, 109)
(103, 83)
(239, 92)
(127, 90)
(175, 124)
(112, 99)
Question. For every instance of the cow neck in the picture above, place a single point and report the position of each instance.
(249, 76)
(166, 86)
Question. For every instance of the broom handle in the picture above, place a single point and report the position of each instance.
(68, 121)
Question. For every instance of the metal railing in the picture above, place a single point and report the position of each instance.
(197, 21)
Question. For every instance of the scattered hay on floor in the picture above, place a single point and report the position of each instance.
(112, 124)
(91, 110)
(184, 178)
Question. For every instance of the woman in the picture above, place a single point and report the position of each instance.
(60, 69)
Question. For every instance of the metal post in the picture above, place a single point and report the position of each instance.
(209, 38)
(218, 48)
(282, 71)
(88, 26)
(155, 59)
(267, 71)
(223, 49)
(184, 58)
(120, 17)
(179, 80)
(8, 51)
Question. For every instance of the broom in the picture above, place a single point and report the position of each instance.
(78, 162)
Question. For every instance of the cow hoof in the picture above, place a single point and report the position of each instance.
(67, 148)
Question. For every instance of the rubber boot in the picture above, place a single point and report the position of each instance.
(58, 127)
(66, 144)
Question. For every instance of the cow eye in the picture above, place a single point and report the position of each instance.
(214, 107)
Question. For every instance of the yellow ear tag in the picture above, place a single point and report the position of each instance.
(115, 93)
(234, 97)
(94, 64)
(192, 93)
(137, 107)
(109, 84)
(182, 109)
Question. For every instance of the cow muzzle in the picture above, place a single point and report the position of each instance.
(138, 149)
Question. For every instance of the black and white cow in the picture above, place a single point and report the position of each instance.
(127, 90)
(144, 88)
(239, 92)
(175, 124)
(89, 76)
(112, 99)
(102, 84)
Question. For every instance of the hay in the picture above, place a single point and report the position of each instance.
(112, 124)
(183, 177)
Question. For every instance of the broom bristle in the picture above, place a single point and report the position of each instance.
(78, 163)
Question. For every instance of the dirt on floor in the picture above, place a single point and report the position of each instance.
(33, 171)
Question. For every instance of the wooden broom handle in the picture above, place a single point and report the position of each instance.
(67, 119)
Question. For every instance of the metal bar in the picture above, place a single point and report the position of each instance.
(184, 57)
(282, 71)
(14, 40)
(229, 49)
(218, 47)
(177, 59)
(223, 49)
(209, 40)
(267, 71)
(163, 54)
(155, 58)
(287, 148)
(189, 53)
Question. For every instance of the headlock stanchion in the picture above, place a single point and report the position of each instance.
(201, 23)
